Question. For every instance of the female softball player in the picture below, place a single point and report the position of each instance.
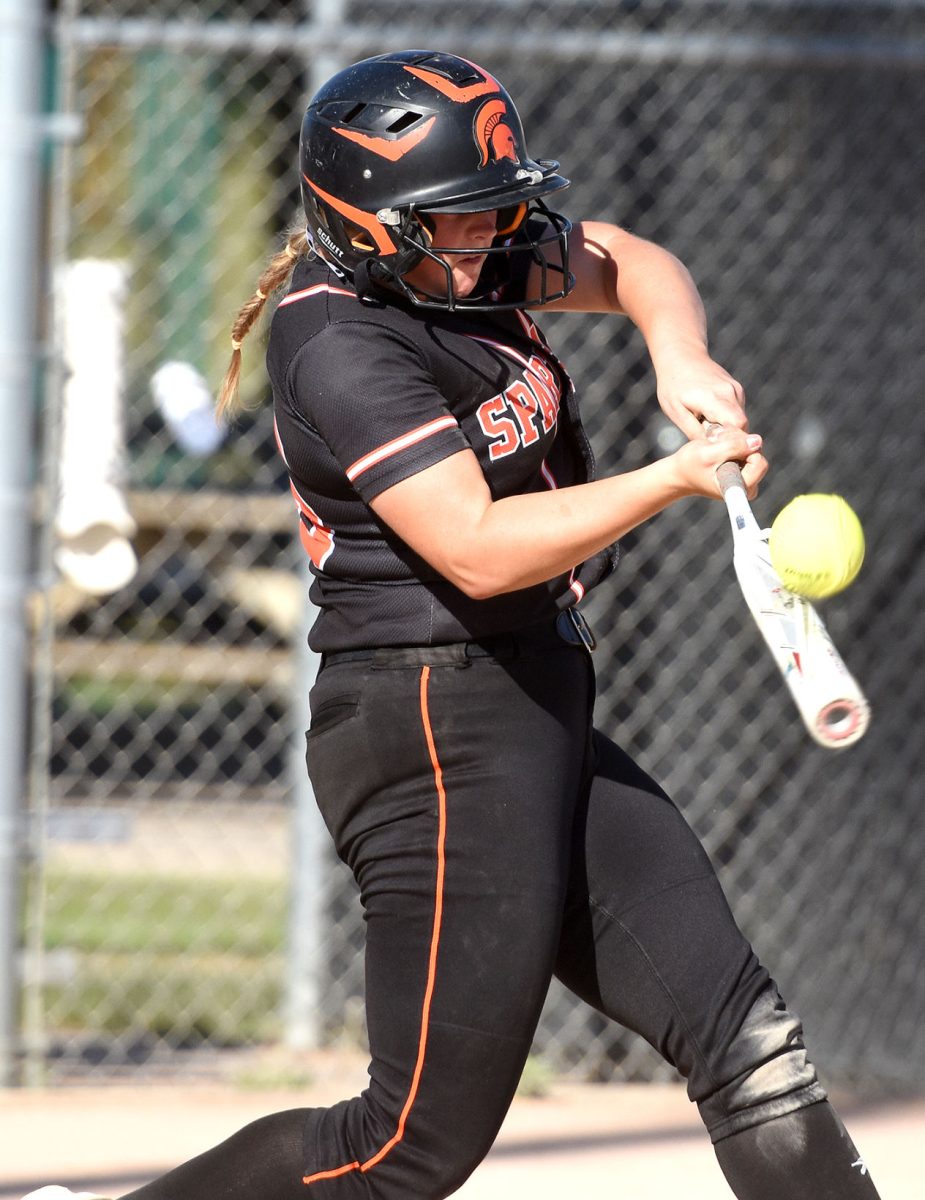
(446, 497)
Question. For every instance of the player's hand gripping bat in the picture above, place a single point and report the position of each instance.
(828, 698)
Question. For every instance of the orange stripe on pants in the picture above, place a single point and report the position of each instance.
(432, 960)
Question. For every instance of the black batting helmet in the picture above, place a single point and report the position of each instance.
(393, 138)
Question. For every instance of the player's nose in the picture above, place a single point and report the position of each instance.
(482, 226)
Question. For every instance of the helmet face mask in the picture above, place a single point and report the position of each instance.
(554, 278)
(395, 138)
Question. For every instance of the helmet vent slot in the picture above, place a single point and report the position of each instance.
(405, 121)
(371, 118)
(457, 70)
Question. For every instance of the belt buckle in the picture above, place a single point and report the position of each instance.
(582, 630)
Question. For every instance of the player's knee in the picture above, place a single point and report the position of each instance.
(436, 1166)
(425, 1172)
(427, 1157)
(763, 1073)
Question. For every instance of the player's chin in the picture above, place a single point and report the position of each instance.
(466, 275)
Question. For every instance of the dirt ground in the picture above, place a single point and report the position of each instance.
(638, 1142)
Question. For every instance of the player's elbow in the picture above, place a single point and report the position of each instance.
(485, 588)
(476, 582)
(477, 575)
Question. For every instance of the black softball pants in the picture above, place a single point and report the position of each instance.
(498, 840)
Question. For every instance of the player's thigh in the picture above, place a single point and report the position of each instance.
(649, 938)
(450, 793)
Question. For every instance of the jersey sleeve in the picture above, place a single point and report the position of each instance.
(370, 395)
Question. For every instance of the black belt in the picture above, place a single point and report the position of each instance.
(569, 627)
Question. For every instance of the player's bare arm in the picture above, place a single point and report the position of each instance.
(615, 271)
(486, 547)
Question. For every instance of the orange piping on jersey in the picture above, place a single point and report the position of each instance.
(355, 470)
(314, 291)
(452, 90)
(574, 585)
(432, 959)
(393, 150)
(508, 350)
(317, 538)
(365, 220)
(279, 444)
(529, 326)
(548, 476)
(303, 506)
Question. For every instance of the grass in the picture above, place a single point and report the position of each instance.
(269, 1077)
(537, 1079)
(159, 914)
(185, 959)
(182, 958)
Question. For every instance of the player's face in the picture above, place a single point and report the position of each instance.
(451, 230)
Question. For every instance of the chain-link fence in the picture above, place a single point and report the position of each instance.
(776, 147)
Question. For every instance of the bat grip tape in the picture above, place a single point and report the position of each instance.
(729, 475)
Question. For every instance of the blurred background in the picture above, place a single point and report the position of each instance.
(168, 902)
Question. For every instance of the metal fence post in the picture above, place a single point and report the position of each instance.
(306, 903)
(303, 1025)
(20, 49)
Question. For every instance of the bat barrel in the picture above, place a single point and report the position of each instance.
(841, 723)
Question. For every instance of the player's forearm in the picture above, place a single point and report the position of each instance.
(525, 540)
(658, 294)
(485, 547)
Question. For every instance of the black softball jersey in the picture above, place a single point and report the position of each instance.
(368, 392)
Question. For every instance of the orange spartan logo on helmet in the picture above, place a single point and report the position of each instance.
(493, 136)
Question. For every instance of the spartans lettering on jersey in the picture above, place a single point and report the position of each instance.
(527, 408)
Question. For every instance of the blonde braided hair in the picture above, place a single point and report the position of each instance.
(275, 275)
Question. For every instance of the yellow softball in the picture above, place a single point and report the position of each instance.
(817, 545)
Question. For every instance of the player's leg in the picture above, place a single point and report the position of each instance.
(462, 862)
(649, 939)
(807, 1153)
(450, 814)
(263, 1159)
